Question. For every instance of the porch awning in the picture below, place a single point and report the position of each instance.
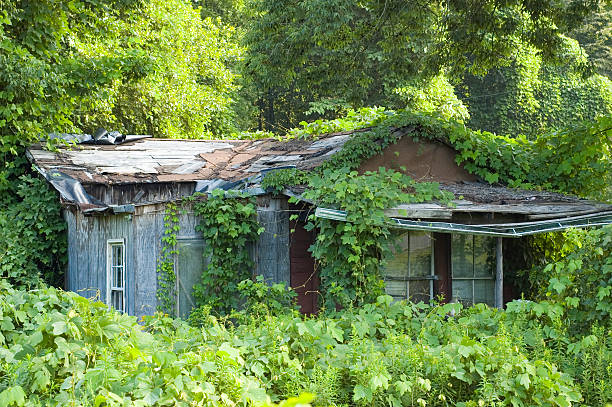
(499, 229)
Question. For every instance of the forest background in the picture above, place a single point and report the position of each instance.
(254, 68)
(236, 68)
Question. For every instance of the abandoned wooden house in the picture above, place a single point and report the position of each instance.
(114, 199)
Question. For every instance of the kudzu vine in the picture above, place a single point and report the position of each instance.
(228, 223)
(166, 275)
(351, 254)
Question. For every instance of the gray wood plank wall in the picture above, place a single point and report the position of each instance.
(143, 231)
(87, 253)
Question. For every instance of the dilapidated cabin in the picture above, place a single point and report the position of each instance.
(114, 199)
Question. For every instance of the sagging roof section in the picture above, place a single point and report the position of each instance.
(107, 159)
(168, 160)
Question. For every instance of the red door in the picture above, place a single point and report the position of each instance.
(304, 279)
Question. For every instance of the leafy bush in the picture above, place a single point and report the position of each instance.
(62, 349)
(580, 281)
(59, 349)
(32, 234)
(260, 297)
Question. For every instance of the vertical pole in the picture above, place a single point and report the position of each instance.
(499, 275)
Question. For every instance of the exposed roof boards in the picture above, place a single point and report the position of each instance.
(210, 164)
(164, 160)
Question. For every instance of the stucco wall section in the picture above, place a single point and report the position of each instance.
(424, 161)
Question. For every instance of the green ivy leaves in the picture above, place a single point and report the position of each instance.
(228, 223)
(350, 254)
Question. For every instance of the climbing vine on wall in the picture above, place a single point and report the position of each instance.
(228, 223)
(350, 254)
(166, 276)
(575, 160)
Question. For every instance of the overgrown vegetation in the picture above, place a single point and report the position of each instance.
(167, 69)
(229, 226)
(575, 160)
(350, 254)
(531, 96)
(32, 234)
(62, 349)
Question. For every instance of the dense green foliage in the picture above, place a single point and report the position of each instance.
(531, 96)
(580, 280)
(188, 91)
(32, 234)
(61, 349)
(326, 55)
(137, 66)
(349, 254)
(229, 226)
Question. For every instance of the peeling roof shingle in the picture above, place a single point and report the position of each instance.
(163, 160)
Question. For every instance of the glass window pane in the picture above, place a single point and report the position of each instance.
(420, 254)
(116, 272)
(117, 300)
(462, 291)
(484, 291)
(419, 290)
(484, 256)
(462, 256)
(396, 266)
(190, 265)
(116, 275)
(117, 257)
(396, 289)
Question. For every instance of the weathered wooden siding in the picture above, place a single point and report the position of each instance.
(87, 241)
(148, 232)
(140, 193)
(143, 231)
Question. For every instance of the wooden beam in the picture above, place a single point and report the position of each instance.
(499, 275)
(420, 211)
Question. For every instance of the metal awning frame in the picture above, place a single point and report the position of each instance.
(495, 230)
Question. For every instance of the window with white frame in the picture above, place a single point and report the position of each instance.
(409, 272)
(115, 274)
(473, 269)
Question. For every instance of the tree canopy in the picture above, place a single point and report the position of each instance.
(531, 95)
(325, 55)
(138, 66)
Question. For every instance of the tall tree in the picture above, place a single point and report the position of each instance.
(341, 52)
(531, 96)
(595, 36)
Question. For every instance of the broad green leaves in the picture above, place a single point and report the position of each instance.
(229, 225)
(350, 253)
